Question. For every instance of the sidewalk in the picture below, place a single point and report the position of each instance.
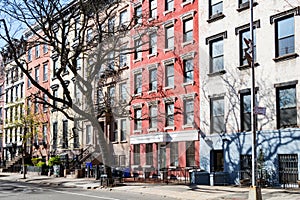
(202, 192)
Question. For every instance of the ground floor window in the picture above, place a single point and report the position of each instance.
(288, 168)
(217, 164)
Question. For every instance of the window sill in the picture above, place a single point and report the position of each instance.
(188, 83)
(215, 17)
(186, 3)
(152, 130)
(244, 67)
(168, 88)
(152, 91)
(169, 128)
(137, 60)
(221, 72)
(187, 126)
(152, 55)
(45, 81)
(245, 6)
(152, 19)
(123, 141)
(187, 43)
(137, 131)
(168, 11)
(167, 50)
(115, 142)
(286, 57)
(137, 95)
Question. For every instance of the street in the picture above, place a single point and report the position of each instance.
(21, 190)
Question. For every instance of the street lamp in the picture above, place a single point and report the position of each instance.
(255, 192)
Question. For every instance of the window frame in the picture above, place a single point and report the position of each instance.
(170, 111)
(138, 119)
(243, 112)
(189, 114)
(153, 115)
(153, 79)
(279, 109)
(212, 67)
(169, 36)
(212, 115)
(187, 31)
(213, 14)
(170, 80)
(138, 83)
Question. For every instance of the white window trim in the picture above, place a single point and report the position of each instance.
(168, 11)
(186, 3)
(188, 15)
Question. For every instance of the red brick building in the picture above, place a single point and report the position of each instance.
(165, 87)
(38, 62)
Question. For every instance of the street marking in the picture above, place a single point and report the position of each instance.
(86, 195)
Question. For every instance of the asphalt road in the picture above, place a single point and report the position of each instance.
(24, 191)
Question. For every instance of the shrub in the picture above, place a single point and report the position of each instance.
(54, 161)
(35, 161)
(40, 164)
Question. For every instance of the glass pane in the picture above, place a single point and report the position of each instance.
(287, 98)
(247, 103)
(286, 45)
(217, 8)
(286, 27)
(217, 64)
(217, 48)
(218, 107)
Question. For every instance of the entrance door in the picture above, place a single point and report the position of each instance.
(162, 156)
(217, 159)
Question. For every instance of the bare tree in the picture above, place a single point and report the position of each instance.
(81, 30)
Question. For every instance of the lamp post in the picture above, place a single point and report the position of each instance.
(255, 192)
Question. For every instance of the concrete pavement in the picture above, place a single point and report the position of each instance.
(201, 192)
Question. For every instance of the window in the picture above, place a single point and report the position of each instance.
(111, 25)
(138, 15)
(169, 5)
(55, 94)
(136, 154)
(153, 79)
(246, 111)
(89, 138)
(138, 83)
(174, 161)
(114, 131)
(45, 106)
(169, 32)
(123, 18)
(216, 55)
(54, 128)
(29, 55)
(55, 68)
(37, 74)
(78, 64)
(215, 8)
(285, 36)
(243, 3)
(45, 130)
(137, 49)
(288, 168)
(45, 71)
(286, 106)
(170, 75)
(110, 61)
(75, 135)
(169, 114)
(153, 116)
(123, 93)
(21, 91)
(149, 154)
(189, 111)
(152, 9)
(138, 119)
(112, 95)
(89, 35)
(188, 65)
(122, 57)
(123, 129)
(37, 51)
(28, 80)
(217, 115)
(65, 135)
(245, 34)
(36, 107)
(152, 43)
(188, 30)
(1, 91)
(77, 27)
(45, 48)
(190, 153)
